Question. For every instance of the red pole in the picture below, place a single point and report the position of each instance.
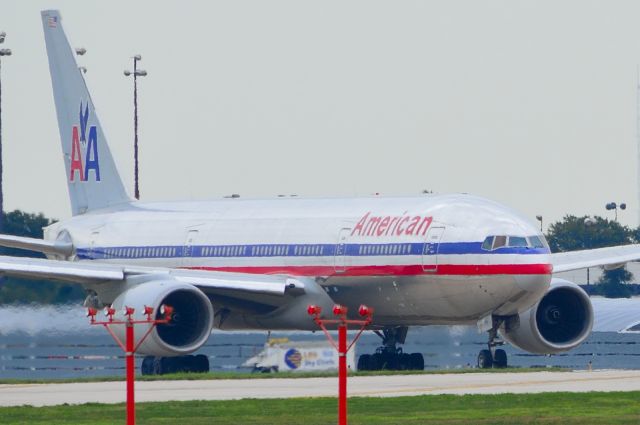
(129, 346)
(131, 406)
(342, 374)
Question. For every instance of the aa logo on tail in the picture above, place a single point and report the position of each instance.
(84, 142)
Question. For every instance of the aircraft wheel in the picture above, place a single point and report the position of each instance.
(364, 361)
(147, 367)
(376, 362)
(485, 361)
(417, 361)
(405, 362)
(500, 359)
(201, 363)
(168, 365)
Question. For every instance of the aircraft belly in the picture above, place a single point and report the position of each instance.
(429, 299)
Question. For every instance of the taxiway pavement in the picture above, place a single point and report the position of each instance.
(359, 386)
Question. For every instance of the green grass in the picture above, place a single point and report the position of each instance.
(547, 408)
(280, 375)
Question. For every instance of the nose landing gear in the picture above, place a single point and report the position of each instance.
(389, 356)
(492, 356)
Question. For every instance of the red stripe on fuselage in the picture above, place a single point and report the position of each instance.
(392, 270)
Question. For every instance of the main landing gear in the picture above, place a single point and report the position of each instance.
(493, 357)
(152, 365)
(390, 357)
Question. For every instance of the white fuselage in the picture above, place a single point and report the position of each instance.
(414, 260)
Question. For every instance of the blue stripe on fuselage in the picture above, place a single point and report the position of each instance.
(296, 250)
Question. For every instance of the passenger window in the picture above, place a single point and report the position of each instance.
(499, 242)
(488, 243)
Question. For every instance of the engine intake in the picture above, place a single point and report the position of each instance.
(190, 325)
(560, 321)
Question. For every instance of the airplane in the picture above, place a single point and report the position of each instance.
(234, 263)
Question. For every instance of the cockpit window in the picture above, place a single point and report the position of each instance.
(517, 241)
(488, 243)
(495, 242)
(536, 242)
(499, 242)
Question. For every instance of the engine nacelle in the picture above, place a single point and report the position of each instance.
(560, 321)
(191, 323)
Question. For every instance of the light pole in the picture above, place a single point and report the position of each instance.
(588, 222)
(539, 218)
(129, 345)
(136, 73)
(613, 206)
(3, 52)
(80, 51)
(343, 348)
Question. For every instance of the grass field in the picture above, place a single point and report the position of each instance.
(236, 375)
(546, 408)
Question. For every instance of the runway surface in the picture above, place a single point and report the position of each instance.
(367, 386)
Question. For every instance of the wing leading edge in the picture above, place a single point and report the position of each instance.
(601, 257)
(101, 273)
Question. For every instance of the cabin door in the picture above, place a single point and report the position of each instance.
(431, 248)
(340, 263)
(190, 241)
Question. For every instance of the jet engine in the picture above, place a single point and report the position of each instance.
(190, 325)
(560, 321)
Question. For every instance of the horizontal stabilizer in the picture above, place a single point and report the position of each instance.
(37, 245)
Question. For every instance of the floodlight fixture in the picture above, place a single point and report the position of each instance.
(128, 311)
(365, 311)
(339, 310)
(314, 310)
(166, 311)
(148, 311)
(109, 312)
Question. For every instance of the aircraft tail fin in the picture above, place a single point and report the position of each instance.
(91, 173)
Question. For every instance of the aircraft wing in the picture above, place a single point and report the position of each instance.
(613, 257)
(230, 284)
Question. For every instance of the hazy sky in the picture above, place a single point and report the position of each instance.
(532, 104)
